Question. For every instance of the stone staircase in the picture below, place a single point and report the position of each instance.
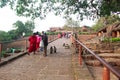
(96, 68)
(113, 59)
(110, 52)
(93, 40)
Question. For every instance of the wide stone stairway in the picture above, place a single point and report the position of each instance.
(62, 65)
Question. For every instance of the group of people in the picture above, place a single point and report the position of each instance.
(38, 42)
(64, 34)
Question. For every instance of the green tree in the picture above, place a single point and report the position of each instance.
(29, 27)
(81, 8)
(111, 19)
(12, 34)
(20, 28)
(26, 28)
(109, 6)
(97, 26)
(4, 36)
(71, 24)
(66, 27)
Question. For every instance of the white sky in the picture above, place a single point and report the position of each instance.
(8, 17)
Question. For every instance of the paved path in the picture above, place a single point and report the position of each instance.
(36, 67)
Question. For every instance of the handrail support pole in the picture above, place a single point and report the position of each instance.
(0, 51)
(80, 55)
(106, 73)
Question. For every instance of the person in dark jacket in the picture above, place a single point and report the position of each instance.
(45, 41)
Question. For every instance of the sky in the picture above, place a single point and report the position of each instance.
(8, 17)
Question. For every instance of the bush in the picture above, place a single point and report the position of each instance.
(53, 33)
(115, 39)
(111, 40)
(5, 53)
(86, 33)
(2, 54)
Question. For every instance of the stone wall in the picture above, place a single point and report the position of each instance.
(21, 44)
(86, 37)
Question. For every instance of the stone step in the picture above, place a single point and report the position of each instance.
(102, 55)
(111, 61)
(109, 55)
(103, 51)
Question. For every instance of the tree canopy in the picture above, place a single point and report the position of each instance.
(20, 29)
(81, 8)
(26, 27)
(71, 24)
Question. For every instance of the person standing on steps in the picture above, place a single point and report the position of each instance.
(45, 41)
(38, 41)
(32, 43)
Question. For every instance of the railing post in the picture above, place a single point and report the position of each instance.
(0, 48)
(26, 44)
(53, 37)
(50, 38)
(74, 43)
(72, 40)
(106, 73)
(0, 51)
(79, 55)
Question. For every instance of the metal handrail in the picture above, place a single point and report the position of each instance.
(101, 60)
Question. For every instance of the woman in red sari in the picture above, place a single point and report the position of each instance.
(32, 45)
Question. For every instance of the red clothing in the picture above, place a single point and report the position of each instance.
(63, 34)
(59, 35)
(33, 41)
(38, 41)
